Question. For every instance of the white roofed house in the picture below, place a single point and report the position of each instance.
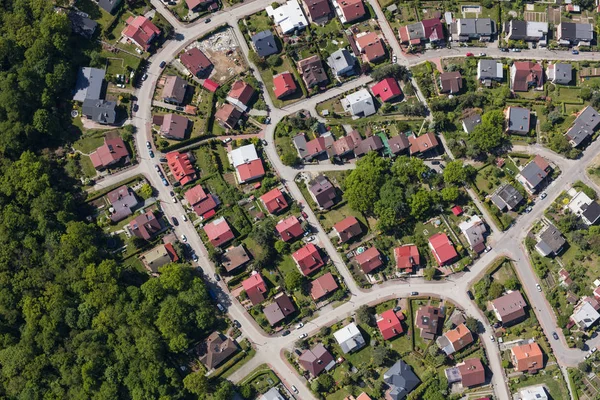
(289, 16)
(474, 230)
(349, 338)
(585, 314)
(559, 73)
(359, 104)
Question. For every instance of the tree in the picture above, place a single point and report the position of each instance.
(454, 173)
(256, 59)
(293, 280)
(274, 60)
(247, 392)
(450, 194)
(363, 183)
(381, 355)
(472, 324)
(327, 382)
(363, 315)
(146, 191)
(282, 247)
(488, 135)
(196, 383)
(429, 273)
(290, 159)
(420, 204)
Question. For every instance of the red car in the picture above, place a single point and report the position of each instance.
(469, 54)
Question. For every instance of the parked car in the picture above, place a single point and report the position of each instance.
(305, 215)
(264, 142)
(148, 145)
(237, 324)
(194, 257)
(442, 166)
(135, 107)
(554, 335)
(470, 54)
(300, 325)
(435, 162)
(227, 140)
(144, 77)
(593, 350)
(310, 239)
(217, 277)
(528, 209)
(184, 217)
(162, 159)
(157, 168)
(151, 154)
(220, 307)
(294, 389)
(470, 294)
(394, 59)
(207, 20)
(179, 108)
(481, 54)
(414, 293)
(504, 49)
(165, 182)
(286, 332)
(174, 221)
(174, 199)
(539, 288)
(172, 193)
(267, 120)
(516, 50)
(162, 64)
(298, 352)
(543, 195)
(575, 52)
(184, 238)
(303, 335)
(492, 338)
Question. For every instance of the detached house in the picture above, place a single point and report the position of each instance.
(401, 380)
(371, 46)
(322, 192)
(284, 85)
(407, 257)
(451, 82)
(526, 74)
(349, 338)
(279, 309)
(264, 43)
(289, 16)
(528, 31)
(509, 308)
(369, 260)
(255, 288)
(201, 202)
(490, 70)
(101, 111)
(196, 62)
(145, 226)
(560, 73)
(217, 348)
(527, 357)
(141, 31)
(159, 256)
(442, 249)
(359, 104)
(507, 197)
(587, 209)
(349, 10)
(341, 63)
(389, 324)
(308, 259)
(474, 28)
(420, 145)
(347, 229)
(228, 116)
(247, 164)
(533, 174)
(469, 373)
(111, 152)
(322, 286)
(234, 257)
(274, 201)
(312, 71)
(583, 127)
(240, 95)
(518, 120)
(570, 33)
(318, 11)
(429, 320)
(387, 90)
(122, 200)
(174, 126)
(181, 167)
(471, 122)
(174, 90)
(218, 232)
(109, 5)
(474, 230)
(455, 339)
(316, 360)
(550, 242)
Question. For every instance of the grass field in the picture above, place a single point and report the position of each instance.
(332, 217)
(90, 141)
(258, 22)
(267, 75)
(572, 94)
(87, 167)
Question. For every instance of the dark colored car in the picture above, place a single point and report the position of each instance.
(470, 294)
(172, 194)
(174, 220)
(286, 332)
(237, 324)
(162, 160)
(414, 293)
(135, 108)
(554, 335)
(217, 277)
(207, 20)
(162, 64)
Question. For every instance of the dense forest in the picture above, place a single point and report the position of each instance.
(74, 323)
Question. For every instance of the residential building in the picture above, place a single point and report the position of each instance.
(518, 120)
(349, 338)
(312, 71)
(284, 85)
(308, 259)
(82, 25)
(585, 315)
(255, 287)
(234, 258)
(174, 126)
(174, 90)
(181, 167)
(274, 201)
(322, 192)
(442, 249)
(401, 380)
(550, 241)
(387, 90)
(279, 309)
(218, 232)
(247, 164)
(399, 144)
(109, 5)
(322, 286)
(469, 373)
(471, 122)
(344, 146)
(264, 43)
(534, 393)
(101, 111)
(583, 127)
(584, 207)
(318, 11)
(141, 31)
(89, 85)
(196, 62)
(433, 30)
(289, 228)
(159, 256)
(509, 308)
(507, 197)
(272, 394)
(490, 70)
(451, 82)
(240, 95)
(341, 63)
(475, 28)
(315, 148)
(571, 33)
(407, 257)
(359, 104)
(533, 174)
(349, 10)
(429, 320)
(565, 279)
(215, 349)
(122, 200)
(372, 143)
(347, 229)
(145, 225)
(527, 357)
(370, 46)
(197, 5)
(289, 16)
(525, 75)
(560, 73)
(474, 230)
(455, 340)
(369, 260)
(228, 116)
(423, 144)
(200, 201)
(316, 360)
(210, 85)
(389, 325)
(412, 34)
(111, 152)
(528, 31)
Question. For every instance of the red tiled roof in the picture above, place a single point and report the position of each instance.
(181, 167)
(141, 30)
(241, 91)
(366, 39)
(252, 170)
(255, 288)
(274, 201)
(433, 29)
(422, 143)
(471, 372)
(343, 145)
(195, 195)
(289, 228)
(352, 9)
(460, 337)
(200, 201)
(322, 286)
(457, 210)
(387, 89)
(407, 256)
(443, 250)
(172, 253)
(210, 85)
(195, 60)
(525, 72)
(308, 259)
(109, 153)
(347, 228)
(389, 325)
(195, 3)
(284, 85)
(145, 225)
(315, 146)
(527, 357)
(218, 232)
(369, 260)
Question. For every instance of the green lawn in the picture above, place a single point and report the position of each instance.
(327, 34)
(96, 13)
(90, 141)
(571, 94)
(267, 75)
(261, 379)
(556, 387)
(87, 167)
(287, 265)
(258, 22)
(332, 217)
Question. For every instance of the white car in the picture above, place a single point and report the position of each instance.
(539, 288)
(183, 217)
(543, 195)
(174, 199)
(294, 389)
(492, 338)
(481, 54)
(394, 59)
(148, 145)
(300, 325)
(303, 335)
(593, 350)
(184, 238)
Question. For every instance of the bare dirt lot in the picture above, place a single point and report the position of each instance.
(224, 52)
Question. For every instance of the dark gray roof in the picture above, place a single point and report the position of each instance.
(471, 122)
(518, 120)
(300, 143)
(584, 126)
(551, 239)
(372, 143)
(416, 31)
(401, 380)
(517, 29)
(507, 197)
(109, 5)
(340, 60)
(592, 212)
(533, 174)
(264, 43)
(101, 111)
(89, 84)
(82, 24)
(476, 26)
(488, 69)
(575, 32)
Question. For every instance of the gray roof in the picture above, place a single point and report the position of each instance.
(475, 26)
(507, 197)
(300, 144)
(264, 43)
(490, 69)
(592, 212)
(372, 143)
(89, 84)
(401, 380)
(416, 31)
(575, 32)
(101, 111)
(398, 143)
(82, 24)
(109, 5)
(518, 120)
(340, 60)
(563, 72)
(471, 122)
(551, 239)
(583, 127)
(533, 174)
(392, 8)
(272, 394)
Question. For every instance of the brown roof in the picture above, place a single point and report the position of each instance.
(315, 360)
(369, 260)
(195, 61)
(215, 349)
(317, 9)
(280, 308)
(510, 307)
(460, 337)
(174, 126)
(241, 91)
(322, 286)
(348, 228)
(429, 320)
(372, 143)
(422, 143)
(323, 191)
(312, 71)
(451, 82)
(343, 145)
(234, 258)
(145, 225)
(472, 372)
(398, 143)
(174, 89)
(228, 115)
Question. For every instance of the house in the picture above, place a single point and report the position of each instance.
(255, 288)
(318, 11)
(455, 340)
(181, 167)
(362, 396)
(349, 338)
(534, 392)
(550, 242)
(420, 145)
(101, 111)
(570, 33)
(218, 232)
(398, 144)
(349, 10)
(308, 259)
(316, 360)
(284, 85)
(528, 31)
(372, 143)
(322, 286)
(264, 43)
(518, 120)
(583, 127)
(347, 229)
(196, 5)
(451, 82)
(234, 257)
(533, 174)
(369, 260)
(248, 166)
(387, 90)
(228, 116)
(274, 201)
(526, 74)
(240, 95)
(412, 34)
(272, 394)
(279, 309)
(585, 315)
(429, 320)
(407, 257)
(401, 380)
(433, 30)
(341, 63)
(471, 122)
(162, 254)
(145, 225)
(475, 28)
(370, 46)
(301, 146)
(565, 279)
(344, 146)
(111, 152)
(584, 207)
(527, 357)
(122, 200)
(359, 104)
(322, 192)
(109, 5)
(141, 31)
(474, 230)
(469, 373)
(507, 197)
(174, 126)
(560, 73)
(289, 229)
(389, 325)
(490, 70)
(174, 90)
(442, 249)
(200, 201)
(89, 85)
(82, 25)
(289, 16)
(196, 62)
(215, 349)
(509, 308)
(315, 148)
(312, 71)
